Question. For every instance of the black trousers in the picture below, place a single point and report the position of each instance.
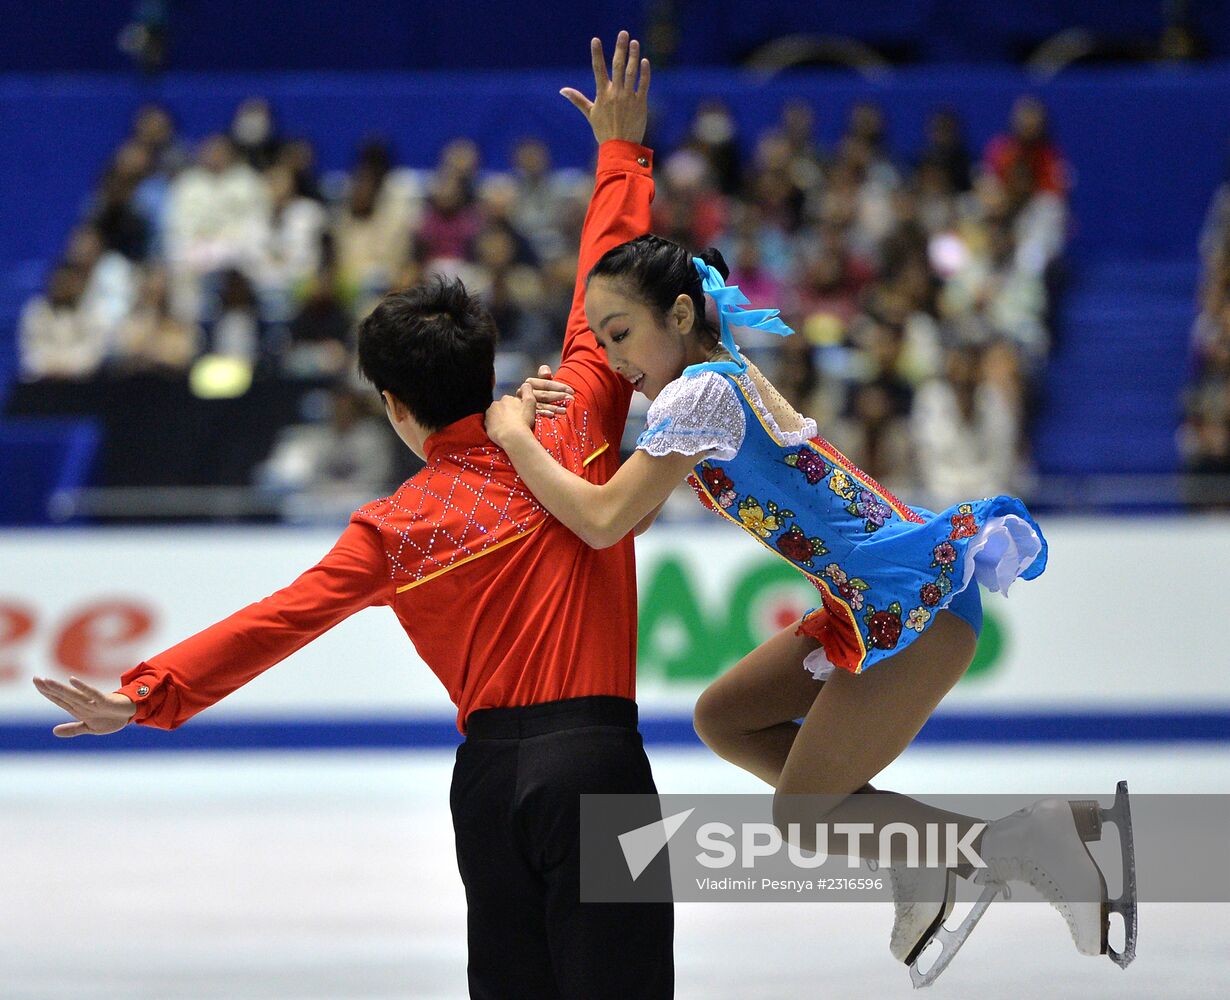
(516, 813)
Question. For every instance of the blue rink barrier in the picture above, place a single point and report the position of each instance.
(40, 457)
(673, 730)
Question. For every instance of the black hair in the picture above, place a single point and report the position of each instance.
(658, 271)
(433, 347)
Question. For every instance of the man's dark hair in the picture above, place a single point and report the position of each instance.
(433, 347)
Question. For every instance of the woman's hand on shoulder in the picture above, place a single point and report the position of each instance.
(511, 417)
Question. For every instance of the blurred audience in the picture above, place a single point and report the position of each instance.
(56, 338)
(110, 279)
(236, 330)
(372, 225)
(946, 151)
(1204, 437)
(217, 218)
(320, 333)
(294, 244)
(919, 287)
(254, 134)
(1029, 144)
(152, 339)
(325, 467)
(964, 431)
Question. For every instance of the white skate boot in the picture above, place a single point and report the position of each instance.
(1042, 846)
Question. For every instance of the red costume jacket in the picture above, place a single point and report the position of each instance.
(503, 603)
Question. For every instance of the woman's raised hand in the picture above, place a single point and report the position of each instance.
(620, 108)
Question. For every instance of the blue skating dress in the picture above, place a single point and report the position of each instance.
(883, 569)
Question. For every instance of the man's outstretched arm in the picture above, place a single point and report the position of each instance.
(168, 689)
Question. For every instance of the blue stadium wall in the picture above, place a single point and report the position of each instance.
(210, 35)
(1128, 133)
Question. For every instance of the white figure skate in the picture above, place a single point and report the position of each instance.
(1042, 846)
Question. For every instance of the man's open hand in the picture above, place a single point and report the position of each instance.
(97, 712)
(620, 108)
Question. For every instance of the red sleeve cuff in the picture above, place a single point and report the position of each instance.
(619, 154)
(140, 686)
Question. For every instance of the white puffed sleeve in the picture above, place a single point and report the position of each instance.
(695, 415)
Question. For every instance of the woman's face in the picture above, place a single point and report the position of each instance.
(647, 349)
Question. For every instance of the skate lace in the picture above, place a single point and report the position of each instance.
(1001, 871)
(998, 872)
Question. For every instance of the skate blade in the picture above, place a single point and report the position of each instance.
(951, 941)
(944, 913)
(1125, 903)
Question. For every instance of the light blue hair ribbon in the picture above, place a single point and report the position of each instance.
(728, 300)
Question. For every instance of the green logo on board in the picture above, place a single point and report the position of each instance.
(686, 640)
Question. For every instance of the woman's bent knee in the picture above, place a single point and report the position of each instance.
(711, 718)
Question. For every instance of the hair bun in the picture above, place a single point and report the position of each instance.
(713, 257)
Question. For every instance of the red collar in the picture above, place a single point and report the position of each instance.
(461, 435)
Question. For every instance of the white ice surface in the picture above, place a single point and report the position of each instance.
(332, 875)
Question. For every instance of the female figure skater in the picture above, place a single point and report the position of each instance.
(900, 609)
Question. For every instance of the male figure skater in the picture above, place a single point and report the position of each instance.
(532, 632)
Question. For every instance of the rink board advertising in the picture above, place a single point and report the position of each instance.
(1096, 648)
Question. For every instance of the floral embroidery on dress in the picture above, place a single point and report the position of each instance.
(851, 591)
(809, 463)
(719, 484)
(884, 627)
(859, 502)
(840, 484)
(944, 554)
(797, 547)
(963, 525)
(872, 509)
(761, 521)
(702, 494)
(875, 599)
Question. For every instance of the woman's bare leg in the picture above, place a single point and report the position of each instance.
(854, 726)
(748, 715)
(858, 724)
